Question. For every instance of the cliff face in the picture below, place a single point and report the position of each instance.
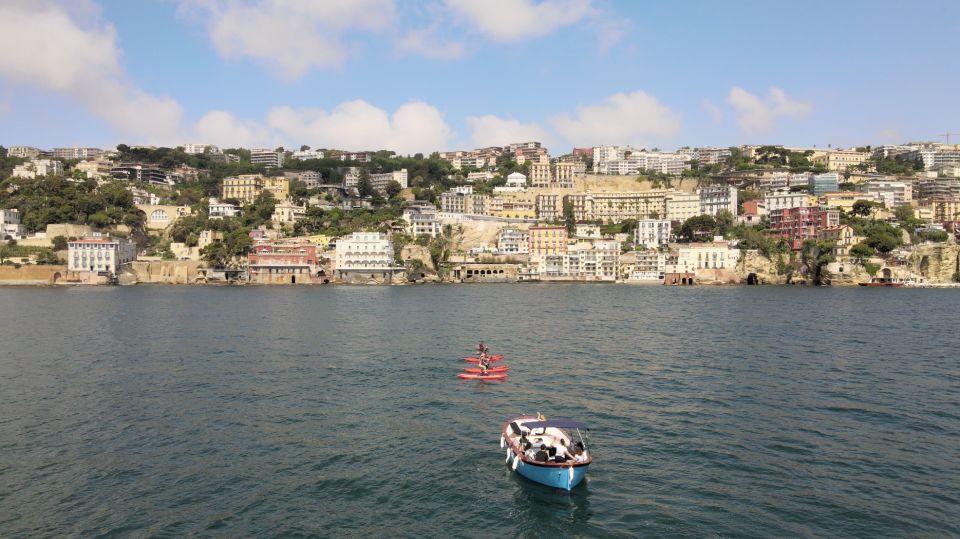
(936, 262)
(161, 272)
(843, 274)
(764, 269)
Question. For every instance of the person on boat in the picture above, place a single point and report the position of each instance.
(579, 455)
(561, 454)
(541, 417)
(482, 348)
(484, 363)
(542, 455)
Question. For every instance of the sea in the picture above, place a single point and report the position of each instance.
(166, 411)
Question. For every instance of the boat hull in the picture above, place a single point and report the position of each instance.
(566, 477)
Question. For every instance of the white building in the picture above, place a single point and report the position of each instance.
(303, 155)
(96, 169)
(218, 210)
(895, 192)
(351, 178)
(10, 227)
(76, 153)
(267, 158)
(597, 260)
(512, 241)
(309, 178)
(364, 252)
(479, 176)
(717, 198)
(653, 233)
(516, 179)
(697, 256)
(100, 254)
(462, 199)
(38, 167)
(199, 149)
(142, 196)
(422, 221)
(650, 266)
(782, 200)
(379, 181)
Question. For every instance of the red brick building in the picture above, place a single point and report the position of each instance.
(799, 224)
(279, 261)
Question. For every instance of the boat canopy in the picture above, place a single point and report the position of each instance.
(556, 423)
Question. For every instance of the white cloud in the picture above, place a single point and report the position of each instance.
(712, 110)
(514, 20)
(755, 115)
(637, 118)
(353, 125)
(891, 134)
(73, 53)
(290, 37)
(426, 43)
(492, 130)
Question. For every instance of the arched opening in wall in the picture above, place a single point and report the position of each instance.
(752, 279)
(293, 279)
(57, 276)
(326, 281)
(887, 274)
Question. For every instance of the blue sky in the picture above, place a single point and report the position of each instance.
(455, 74)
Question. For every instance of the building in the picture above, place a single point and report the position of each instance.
(76, 153)
(546, 176)
(844, 200)
(379, 181)
(351, 179)
(653, 233)
(715, 255)
(26, 152)
(549, 207)
(142, 196)
(303, 155)
(842, 236)
(278, 186)
(513, 241)
(285, 213)
(512, 206)
(597, 260)
(206, 237)
(308, 178)
(893, 193)
(824, 183)
(217, 209)
(159, 217)
(267, 158)
(464, 200)
(140, 173)
(101, 254)
(680, 206)
(10, 227)
(799, 224)
(617, 207)
(778, 200)
(244, 188)
(96, 169)
(283, 261)
(546, 240)
(939, 188)
(650, 265)
(717, 198)
(422, 221)
(943, 209)
(38, 167)
(364, 257)
(840, 160)
(483, 176)
(624, 160)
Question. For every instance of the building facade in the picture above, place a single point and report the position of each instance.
(546, 240)
(283, 261)
(652, 233)
(267, 158)
(100, 254)
(364, 256)
(717, 198)
(799, 224)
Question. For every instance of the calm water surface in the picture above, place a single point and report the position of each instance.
(164, 411)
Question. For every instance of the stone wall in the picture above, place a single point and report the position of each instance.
(764, 269)
(32, 274)
(161, 272)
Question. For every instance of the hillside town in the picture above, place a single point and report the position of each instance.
(197, 213)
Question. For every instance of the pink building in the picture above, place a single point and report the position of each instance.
(799, 224)
(278, 261)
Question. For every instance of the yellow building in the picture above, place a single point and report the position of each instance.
(944, 209)
(244, 188)
(279, 186)
(843, 238)
(617, 207)
(547, 240)
(844, 200)
(840, 159)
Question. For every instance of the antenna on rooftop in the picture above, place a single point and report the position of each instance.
(947, 136)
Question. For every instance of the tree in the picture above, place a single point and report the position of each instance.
(60, 243)
(883, 242)
(861, 251)
(903, 213)
(863, 208)
(304, 148)
(698, 227)
(364, 187)
(568, 217)
(725, 221)
(393, 188)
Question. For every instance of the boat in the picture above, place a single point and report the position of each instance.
(477, 360)
(484, 377)
(522, 431)
(889, 282)
(476, 370)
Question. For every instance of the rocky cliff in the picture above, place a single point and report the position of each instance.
(762, 268)
(937, 262)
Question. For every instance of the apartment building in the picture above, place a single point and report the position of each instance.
(546, 240)
(283, 261)
(218, 210)
(681, 206)
(617, 207)
(100, 254)
(364, 255)
(140, 173)
(824, 183)
(840, 160)
(26, 152)
(894, 192)
(803, 223)
(10, 227)
(422, 221)
(513, 241)
(464, 200)
(378, 182)
(653, 233)
(304, 155)
(266, 157)
(717, 198)
(778, 200)
(549, 207)
(38, 167)
(244, 188)
(76, 153)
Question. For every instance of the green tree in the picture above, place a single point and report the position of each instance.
(698, 227)
(364, 187)
(393, 188)
(903, 213)
(725, 221)
(568, 217)
(861, 252)
(883, 242)
(863, 208)
(60, 243)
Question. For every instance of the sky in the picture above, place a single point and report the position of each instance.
(434, 75)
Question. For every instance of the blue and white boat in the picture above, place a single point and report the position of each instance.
(533, 446)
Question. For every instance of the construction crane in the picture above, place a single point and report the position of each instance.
(947, 135)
